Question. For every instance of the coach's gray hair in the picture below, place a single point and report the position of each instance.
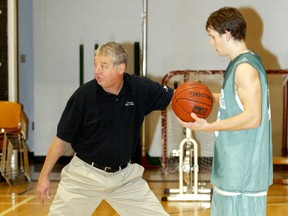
(115, 50)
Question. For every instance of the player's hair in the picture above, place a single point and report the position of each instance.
(115, 50)
(228, 19)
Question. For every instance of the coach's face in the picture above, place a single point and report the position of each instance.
(108, 75)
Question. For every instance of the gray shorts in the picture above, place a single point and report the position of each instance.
(238, 205)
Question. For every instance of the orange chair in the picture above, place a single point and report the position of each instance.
(14, 155)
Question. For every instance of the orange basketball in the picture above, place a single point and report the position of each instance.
(192, 97)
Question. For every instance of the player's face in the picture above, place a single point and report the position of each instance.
(218, 41)
(106, 74)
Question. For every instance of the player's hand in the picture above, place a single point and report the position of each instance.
(198, 124)
(43, 188)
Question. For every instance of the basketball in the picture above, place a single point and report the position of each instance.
(192, 97)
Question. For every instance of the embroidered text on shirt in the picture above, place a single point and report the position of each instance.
(129, 103)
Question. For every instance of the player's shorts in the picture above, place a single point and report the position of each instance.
(238, 204)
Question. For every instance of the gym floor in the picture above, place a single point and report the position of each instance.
(21, 198)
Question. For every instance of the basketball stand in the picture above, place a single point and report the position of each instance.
(188, 168)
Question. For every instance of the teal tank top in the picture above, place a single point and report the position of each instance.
(243, 158)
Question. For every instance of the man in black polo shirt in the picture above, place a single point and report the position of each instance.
(102, 122)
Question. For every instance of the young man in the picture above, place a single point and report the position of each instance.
(102, 121)
(242, 164)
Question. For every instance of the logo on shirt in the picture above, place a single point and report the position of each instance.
(166, 88)
(222, 100)
(129, 103)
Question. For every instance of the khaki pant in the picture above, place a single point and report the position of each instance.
(82, 187)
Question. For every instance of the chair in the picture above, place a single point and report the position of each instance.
(14, 161)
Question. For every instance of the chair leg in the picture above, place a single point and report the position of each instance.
(7, 171)
(7, 149)
(21, 150)
(26, 161)
(15, 161)
(3, 159)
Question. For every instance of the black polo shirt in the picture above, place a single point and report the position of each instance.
(104, 127)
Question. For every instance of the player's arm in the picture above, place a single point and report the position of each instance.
(248, 87)
(55, 151)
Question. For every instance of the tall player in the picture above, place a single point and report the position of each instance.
(242, 164)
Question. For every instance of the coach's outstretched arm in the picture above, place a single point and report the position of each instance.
(55, 151)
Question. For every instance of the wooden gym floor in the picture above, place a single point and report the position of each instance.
(21, 199)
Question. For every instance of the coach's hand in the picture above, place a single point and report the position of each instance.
(43, 188)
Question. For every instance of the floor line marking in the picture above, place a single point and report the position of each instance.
(17, 205)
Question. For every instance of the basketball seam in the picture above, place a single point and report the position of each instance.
(193, 101)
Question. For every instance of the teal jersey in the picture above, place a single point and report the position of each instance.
(243, 158)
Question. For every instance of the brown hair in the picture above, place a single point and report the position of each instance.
(228, 19)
